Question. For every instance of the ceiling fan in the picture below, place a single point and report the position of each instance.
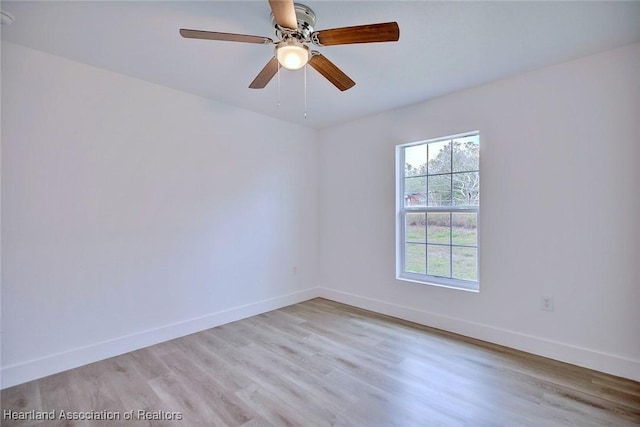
(293, 23)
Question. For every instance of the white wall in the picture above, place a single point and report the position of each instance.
(560, 212)
(132, 213)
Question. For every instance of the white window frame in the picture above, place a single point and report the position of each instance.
(402, 210)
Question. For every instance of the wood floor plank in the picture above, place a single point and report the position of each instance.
(323, 363)
(24, 398)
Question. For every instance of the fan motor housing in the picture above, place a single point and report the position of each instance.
(306, 21)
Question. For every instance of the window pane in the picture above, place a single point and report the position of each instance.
(438, 260)
(466, 154)
(439, 157)
(415, 258)
(415, 190)
(466, 189)
(438, 228)
(465, 263)
(415, 160)
(415, 227)
(440, 211)
(465, 229)
(440, 190)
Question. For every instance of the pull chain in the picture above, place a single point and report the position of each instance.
(278, 85)
(305, 89)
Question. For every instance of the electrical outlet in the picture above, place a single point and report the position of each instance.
(546, 303)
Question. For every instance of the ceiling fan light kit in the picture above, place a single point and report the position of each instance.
(292, 54)
(294, 26)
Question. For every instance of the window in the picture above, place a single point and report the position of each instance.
(438, 204)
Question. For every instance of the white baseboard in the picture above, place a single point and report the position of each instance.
(39, 368)
(587, 358)
(42, 367)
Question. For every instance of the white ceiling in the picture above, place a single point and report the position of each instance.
(443, 47)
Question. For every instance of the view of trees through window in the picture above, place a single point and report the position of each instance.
(441, 186)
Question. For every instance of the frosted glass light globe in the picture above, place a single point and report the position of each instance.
(292, 54)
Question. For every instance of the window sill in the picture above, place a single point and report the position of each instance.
(462, 287)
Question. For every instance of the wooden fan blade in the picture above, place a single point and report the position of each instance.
(228, 37)
(372, 33)
(265, 76)
(285, 13)
(332, 73)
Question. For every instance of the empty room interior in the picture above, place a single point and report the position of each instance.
(349, 213)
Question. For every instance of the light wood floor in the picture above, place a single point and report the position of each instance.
(322, 363)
